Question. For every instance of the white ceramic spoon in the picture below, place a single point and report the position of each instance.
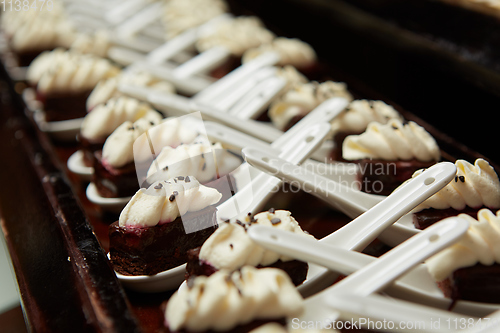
(377, 275)
(183, 41)
(371, 275)
(357, 234)
(413, 287)
(248, 198)
(357, 203)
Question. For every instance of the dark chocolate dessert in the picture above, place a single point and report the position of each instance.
(160, 224)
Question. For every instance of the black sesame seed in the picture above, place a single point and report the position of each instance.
(159, 186)
(272, 210)
(180, 177)
(131, 128)
(456, 179)
(175, 193)
(462, 179)
(152, 123)
(395, 127)
(187, 180)
(165, 168)
(171, 198)
(204, 166)
(231, 246)
(275, 221)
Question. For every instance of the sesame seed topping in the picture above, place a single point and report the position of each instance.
(275, 221)
(159, 186)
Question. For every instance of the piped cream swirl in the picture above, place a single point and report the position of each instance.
(302, 99)
(229, 247)
(392, 141)
(480, 244)
(356, 117)
(61, 71)
(474, 186)
(292, 52)
(118, 149)
(201, 159)
(164, 201)
(108, 88)
(237, 35)
(181, 15)
(225, 300)
(105, 118)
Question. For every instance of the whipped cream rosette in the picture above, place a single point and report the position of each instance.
(225, 300)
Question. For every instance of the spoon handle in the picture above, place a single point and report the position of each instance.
(357, 234)
(402, 258)
(251, 197)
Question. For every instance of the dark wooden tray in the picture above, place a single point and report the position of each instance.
(58, 240)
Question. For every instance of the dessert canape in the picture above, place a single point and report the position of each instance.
(64, 80)
(237, 36)
(474, 187)
(355, 119)
(181, 15)
(469, 269)
(292, 52)
(31, 32)
(117, 167)
(388, 154)
(97, 43)
(105, 118)
(233, 301)
(108, 88)
(153, 232)
(230, 248)
(301, 99)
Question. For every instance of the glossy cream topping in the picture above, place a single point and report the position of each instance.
(181, 15)
(474, 186)
(118, 149)
(481, 244)
(229, 247)
(201, 159)
(105, 118)
(108, 88)
(97, 43)
(292, 76)
(236, 35)
(356, 117)
(36, 30)
(225, 300)
(292, 52)
(164, 201)
(61, 71)
(302, 99)
(392, 141)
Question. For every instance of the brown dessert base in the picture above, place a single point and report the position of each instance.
(297, 270)
(429, 216)
(477, 283)
(58, 107)
(150, 250)
(383, 177)
(89, 147)
(114, 182)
